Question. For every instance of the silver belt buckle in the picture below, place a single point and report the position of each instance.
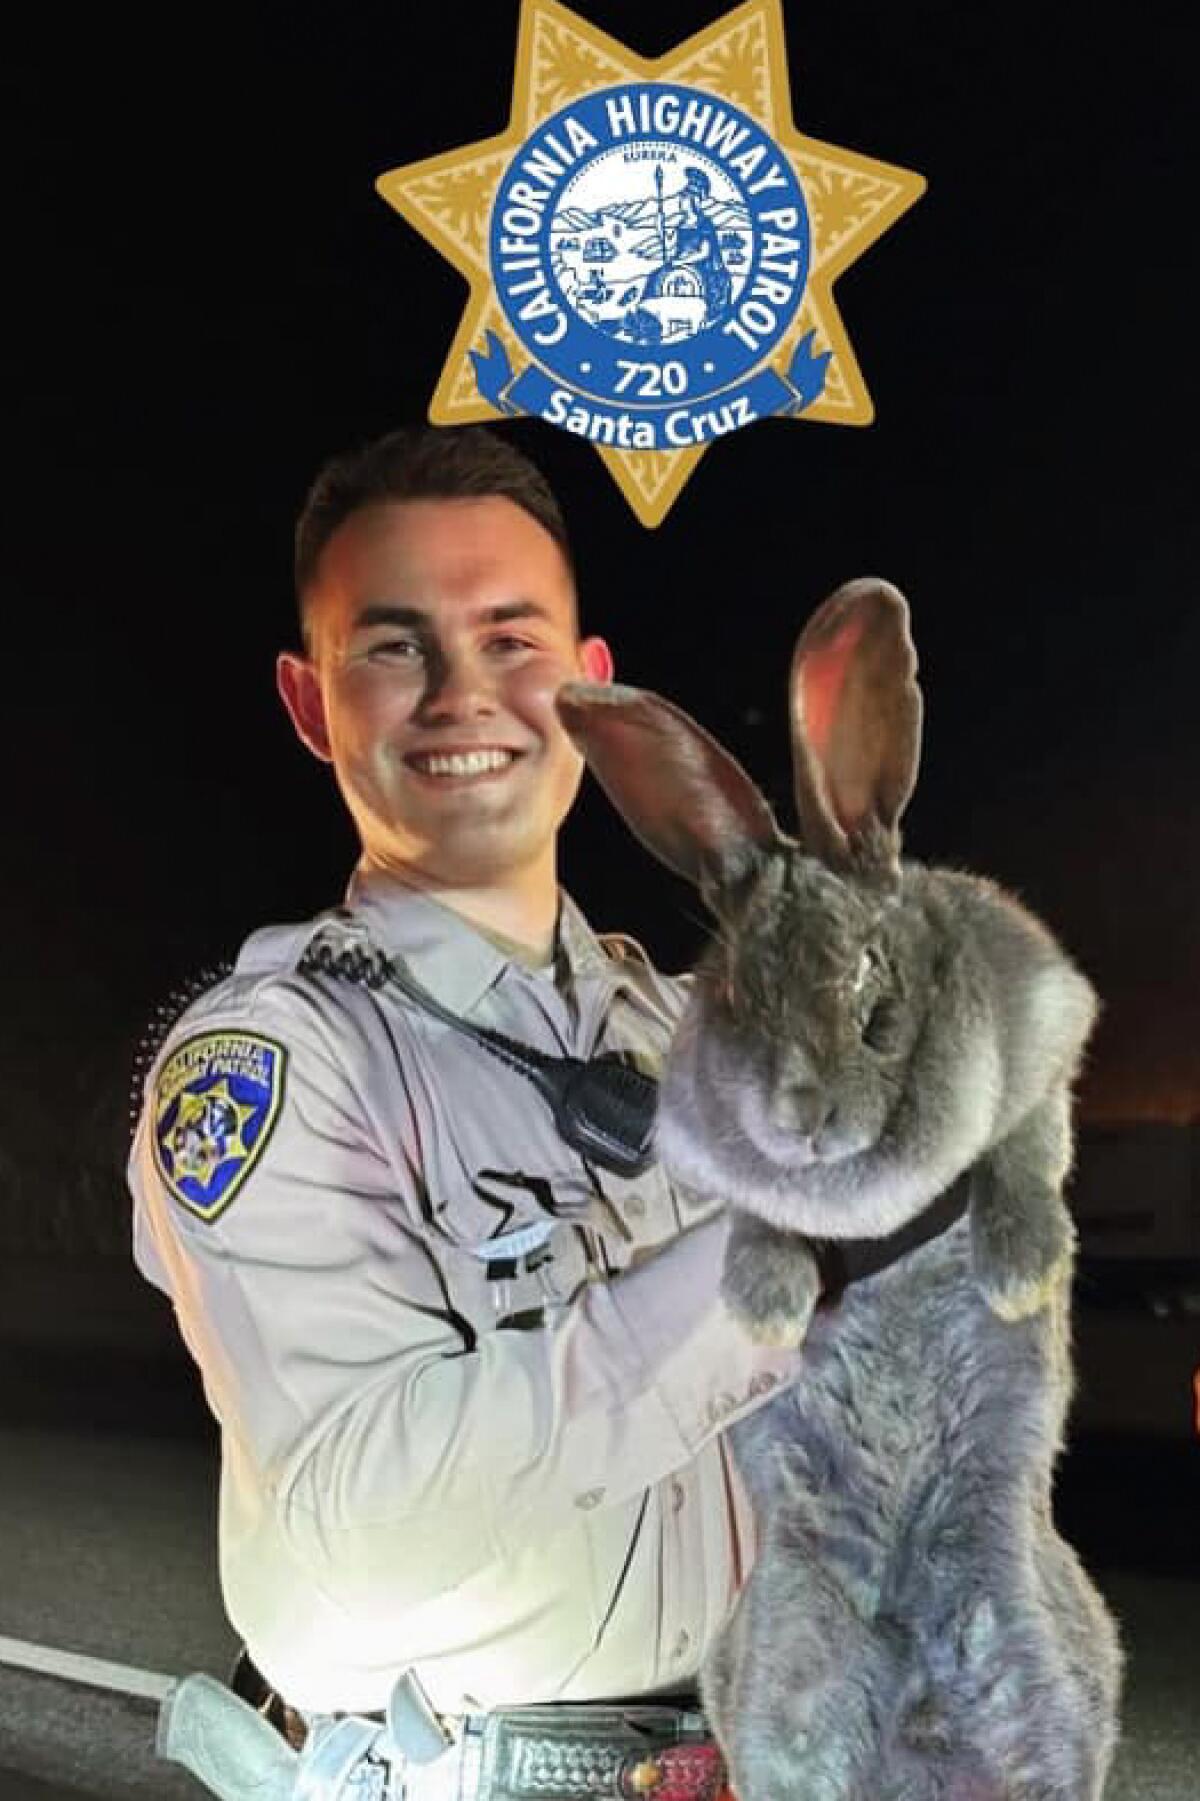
(566, 1752)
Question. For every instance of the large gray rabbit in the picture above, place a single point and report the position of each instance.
(876, 1061)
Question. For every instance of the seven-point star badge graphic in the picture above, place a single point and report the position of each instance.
(651, 247)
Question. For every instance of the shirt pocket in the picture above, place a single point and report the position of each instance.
(513, 1244)
(651, 1211)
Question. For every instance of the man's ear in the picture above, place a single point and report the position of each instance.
(300, 691)
(595, 660)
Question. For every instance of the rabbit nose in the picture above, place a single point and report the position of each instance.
(799, 1107)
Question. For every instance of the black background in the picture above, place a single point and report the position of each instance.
(212, 298)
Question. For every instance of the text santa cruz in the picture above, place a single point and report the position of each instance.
(642, 377)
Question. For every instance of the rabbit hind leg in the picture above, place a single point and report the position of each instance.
(939, 1773)
(801, 1695)
(1031, 1721)
(1090, 1651)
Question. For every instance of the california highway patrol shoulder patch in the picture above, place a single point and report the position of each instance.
(215, 1103)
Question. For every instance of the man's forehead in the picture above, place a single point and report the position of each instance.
(455, 559)
(460, 536)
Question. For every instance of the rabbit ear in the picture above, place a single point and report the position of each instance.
(856, 725)
(686, 799)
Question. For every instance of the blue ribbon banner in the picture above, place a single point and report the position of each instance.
(762, 395)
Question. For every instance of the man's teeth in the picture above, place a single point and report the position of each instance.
(471, 762)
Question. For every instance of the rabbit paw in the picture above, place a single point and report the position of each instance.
(770, 1282)
(1022, 1254)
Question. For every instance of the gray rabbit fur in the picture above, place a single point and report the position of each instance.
(861, 1032)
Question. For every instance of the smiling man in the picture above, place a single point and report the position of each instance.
(438, 632)
(472, 1380)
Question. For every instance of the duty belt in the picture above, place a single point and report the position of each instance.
(641, 1750)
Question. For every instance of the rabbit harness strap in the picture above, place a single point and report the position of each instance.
(845, 1260)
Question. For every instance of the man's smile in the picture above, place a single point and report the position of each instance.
(479, 762)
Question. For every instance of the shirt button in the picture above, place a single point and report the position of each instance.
(680, 1646)
(720, 1407)
(678, 1495)
(590, 1498)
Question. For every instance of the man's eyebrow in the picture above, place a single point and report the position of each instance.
(417, 619)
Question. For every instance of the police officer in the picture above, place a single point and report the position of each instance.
(472, 1384)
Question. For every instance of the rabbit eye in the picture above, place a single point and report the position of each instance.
(881, 1027)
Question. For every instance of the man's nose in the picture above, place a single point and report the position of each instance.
(457, 685)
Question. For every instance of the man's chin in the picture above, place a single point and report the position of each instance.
(479, 852)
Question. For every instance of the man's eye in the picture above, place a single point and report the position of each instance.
(508, 642)
(400, 648)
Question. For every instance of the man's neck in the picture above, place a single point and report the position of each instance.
(522, 909)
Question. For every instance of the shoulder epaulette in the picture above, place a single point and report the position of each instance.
(271, 950)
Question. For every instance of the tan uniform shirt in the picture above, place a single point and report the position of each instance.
(471, 1389)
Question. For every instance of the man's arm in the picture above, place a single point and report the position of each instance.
(321, 1310)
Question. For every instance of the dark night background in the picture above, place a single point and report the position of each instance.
(207, 298)
(213, 298)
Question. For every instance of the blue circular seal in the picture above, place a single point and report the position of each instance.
(649, 246)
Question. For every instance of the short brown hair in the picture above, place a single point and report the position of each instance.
(420, 463)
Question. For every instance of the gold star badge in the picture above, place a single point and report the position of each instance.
(208, 1133)
(651, 247)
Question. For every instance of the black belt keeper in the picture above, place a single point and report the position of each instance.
(250, 1685)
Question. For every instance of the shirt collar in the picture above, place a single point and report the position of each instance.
(445, 953)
